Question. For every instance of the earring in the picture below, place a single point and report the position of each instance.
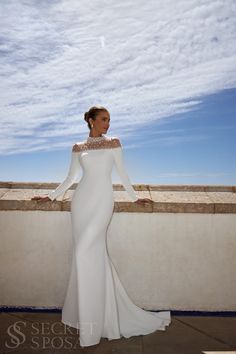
(91, 125)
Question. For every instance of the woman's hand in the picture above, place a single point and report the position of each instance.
(41, 198)
(144, 201)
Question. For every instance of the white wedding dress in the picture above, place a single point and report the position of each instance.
(96, 302)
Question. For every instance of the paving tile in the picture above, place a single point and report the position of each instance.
(179, 338)
(37, 316)
(218, 327)
(224, 352)
(132, 345)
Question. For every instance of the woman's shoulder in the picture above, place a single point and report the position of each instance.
(78, 146)
(115, 141)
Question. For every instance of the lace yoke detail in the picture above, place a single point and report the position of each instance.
(105, 143)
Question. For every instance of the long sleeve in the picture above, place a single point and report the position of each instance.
(120, 166)
(70, 179)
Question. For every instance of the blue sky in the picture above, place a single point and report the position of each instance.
(166, 71)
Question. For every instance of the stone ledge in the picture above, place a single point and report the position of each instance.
(206, 199)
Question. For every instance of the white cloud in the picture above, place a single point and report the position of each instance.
(144, 61)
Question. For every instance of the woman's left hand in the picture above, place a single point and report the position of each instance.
(144, 201)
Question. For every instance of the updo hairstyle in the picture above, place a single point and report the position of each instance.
(92, 113)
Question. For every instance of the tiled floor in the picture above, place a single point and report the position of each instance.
(40, 332)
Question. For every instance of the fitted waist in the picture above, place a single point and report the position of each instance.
(96, 179)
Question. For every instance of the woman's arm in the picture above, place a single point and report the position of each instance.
(71, 176)
(120, 166)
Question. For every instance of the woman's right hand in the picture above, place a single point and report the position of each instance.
(41, 198)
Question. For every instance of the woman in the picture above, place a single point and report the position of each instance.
(96, 301)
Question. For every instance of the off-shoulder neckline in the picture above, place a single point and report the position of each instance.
(107, 142)
(104, 138)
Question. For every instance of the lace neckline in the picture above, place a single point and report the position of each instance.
(95, 138)
(99, 142)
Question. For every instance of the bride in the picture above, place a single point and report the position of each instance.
(96, 301)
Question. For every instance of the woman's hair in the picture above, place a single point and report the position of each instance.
(92, 113)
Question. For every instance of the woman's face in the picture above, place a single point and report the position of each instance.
(101, 123)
